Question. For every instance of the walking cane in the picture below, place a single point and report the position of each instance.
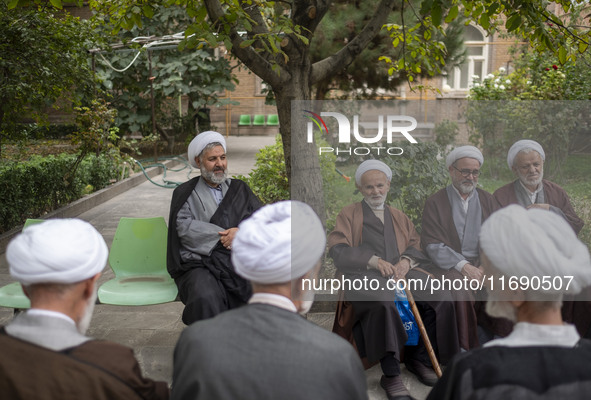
(423, 331)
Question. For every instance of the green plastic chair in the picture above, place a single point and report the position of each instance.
(12, 295)
(259, 120)
(272, 120)
(138, 259)
(244, 120)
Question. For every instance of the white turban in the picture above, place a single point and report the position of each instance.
(522, 145)
(369, 165)
(268, 248)
(462, 152)
(536, 242)
(201, 141)
(57, 251)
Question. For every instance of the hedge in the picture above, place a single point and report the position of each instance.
(32, 188)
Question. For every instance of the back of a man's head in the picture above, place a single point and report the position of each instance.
(278, 245)
(58, 262)
(534, 252)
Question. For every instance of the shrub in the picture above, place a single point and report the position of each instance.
(32, 188)
(446, 132)
(268, 179)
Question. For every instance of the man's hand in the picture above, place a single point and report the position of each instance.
(398, 271)
(227, 236)
(543, 206)
(402, 267)
(385, 268)
(472, 272)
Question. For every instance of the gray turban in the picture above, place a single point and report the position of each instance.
(201, 141)
(369, 165)
(462, 152)
(536, 242)
(57, 251)
(269, 248)
(522, 145)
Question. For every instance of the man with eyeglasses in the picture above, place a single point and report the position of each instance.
(530, 190)
(451, 224)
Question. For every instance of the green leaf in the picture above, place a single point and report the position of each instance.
(56, 3)
(246, 43)
(148, 11)
(201, 14)
(452, 14)
(426, 6)
(436, 14)
(396, 42)
(513, 22)
(582, 47)
(562, 55)
(484, 21)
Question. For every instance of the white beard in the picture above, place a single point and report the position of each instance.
(306, 305)
(531, 182)
(377, 202)
(501, 309)
(466, 188)
(84, 322)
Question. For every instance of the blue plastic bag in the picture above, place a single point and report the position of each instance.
(408, 319)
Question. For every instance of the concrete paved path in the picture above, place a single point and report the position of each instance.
(152, 331)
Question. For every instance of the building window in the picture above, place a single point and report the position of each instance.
(460, 78)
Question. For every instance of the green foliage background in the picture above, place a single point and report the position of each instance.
(29, 189)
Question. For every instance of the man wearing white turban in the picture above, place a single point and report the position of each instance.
(45, 353)
(266, 350)
(543, 357)
(373, 241)
(204, 215)
(530, 189)
(452, 218)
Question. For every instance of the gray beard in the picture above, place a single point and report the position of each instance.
(501, 309)
(466, 188)
(84, 322)
(210, 176)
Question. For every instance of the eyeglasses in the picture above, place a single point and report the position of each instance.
(467, 172)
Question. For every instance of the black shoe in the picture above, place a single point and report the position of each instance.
(425, 374)
(395, 389)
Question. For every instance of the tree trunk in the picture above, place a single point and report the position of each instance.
(301, 157)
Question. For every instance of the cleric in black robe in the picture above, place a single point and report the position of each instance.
(204, 215)
(373, 241)
(542, 358)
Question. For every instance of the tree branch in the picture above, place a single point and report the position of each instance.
(563, 27)
(328, 66)
(247, 55)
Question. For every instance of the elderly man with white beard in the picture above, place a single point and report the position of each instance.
(266, 350)
(45, 353)
(373, 241)
(204, 216)
(526, 159)
(543, 358)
